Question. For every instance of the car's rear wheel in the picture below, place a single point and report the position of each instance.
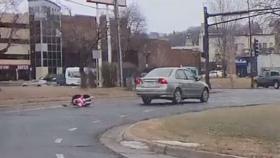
(276, 84)
(177, 97)
(204, 96)
(146, 100)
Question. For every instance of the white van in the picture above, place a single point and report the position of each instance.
(73, 76)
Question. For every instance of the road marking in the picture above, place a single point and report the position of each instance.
(58, 140)
(72, 129)
(59, 155)
(96, 121)
(122, 116)
(149, 110)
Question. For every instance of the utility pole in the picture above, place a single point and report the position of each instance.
(109, 35)
(119, 43)
(206, 47)
(100, 78)
(250, 45)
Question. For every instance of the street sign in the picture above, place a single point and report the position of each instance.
(121, 3)
(96, 54)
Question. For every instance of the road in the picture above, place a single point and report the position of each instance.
(69, 132)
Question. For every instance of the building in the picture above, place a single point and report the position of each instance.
(14, 47)
(45, 38)
(158, 53)
(189, 45)
(241, 49)
(267, 46)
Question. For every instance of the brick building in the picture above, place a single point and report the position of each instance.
(158, 53)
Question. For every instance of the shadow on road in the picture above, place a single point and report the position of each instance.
(168, 103)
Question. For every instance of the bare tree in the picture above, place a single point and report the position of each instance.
(133, 25)
(225, 34)
(270, 21)
(9, 18)
(81, 35)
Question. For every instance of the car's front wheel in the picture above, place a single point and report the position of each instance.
(146, 100)
(204, 96)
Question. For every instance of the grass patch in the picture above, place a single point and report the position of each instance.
(249, 131)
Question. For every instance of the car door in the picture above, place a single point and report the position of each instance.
(262, 80)
(194, 87)
(274, 75)
(181, 80)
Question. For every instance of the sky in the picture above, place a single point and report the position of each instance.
(163, 16)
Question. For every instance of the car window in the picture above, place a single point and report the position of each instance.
(159, 73)
(266, 73)
(180, 75)
(274, 73)
(190, 75)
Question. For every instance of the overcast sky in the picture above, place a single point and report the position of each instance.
(162, 16)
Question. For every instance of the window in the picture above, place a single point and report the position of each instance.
(180, 74)
(45, 62)
(190, 75)
(275, 73)
(264, 45)
(162, 72)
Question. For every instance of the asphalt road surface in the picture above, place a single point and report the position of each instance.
(69, 132)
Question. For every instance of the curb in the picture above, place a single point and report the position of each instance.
(172, 150)
(112, 139)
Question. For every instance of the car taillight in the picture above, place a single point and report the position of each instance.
(138, 81)
(162, 81)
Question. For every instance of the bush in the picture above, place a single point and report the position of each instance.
(109, 73)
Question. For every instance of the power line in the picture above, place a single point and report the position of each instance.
(81, 4)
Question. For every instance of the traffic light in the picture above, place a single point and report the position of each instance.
(256, 47)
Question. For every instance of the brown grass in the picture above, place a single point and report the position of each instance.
(250, 131)
(21, 95)
(227, 83)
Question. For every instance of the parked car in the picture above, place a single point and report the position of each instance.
(55, 79)
(268, 78)
(215, 74)
(40, 82)
(174, 84)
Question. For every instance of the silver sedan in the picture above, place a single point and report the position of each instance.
(174, 84)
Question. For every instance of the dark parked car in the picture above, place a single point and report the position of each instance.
(268, 78)
(55, 79)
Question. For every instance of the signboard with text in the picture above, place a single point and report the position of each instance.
(96, 54)
(121, 3)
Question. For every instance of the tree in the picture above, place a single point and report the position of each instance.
(133, 25)
(225, 34)
(9, 18)
(194, 33)
(81, 35)
(177, 38)
(271, 20)
(132, 29)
